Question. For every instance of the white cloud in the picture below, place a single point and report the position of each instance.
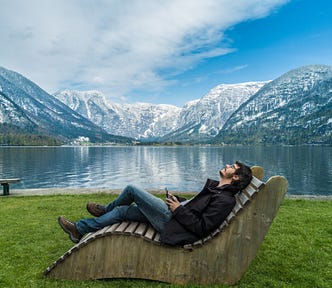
(116, 46)
(233, 69)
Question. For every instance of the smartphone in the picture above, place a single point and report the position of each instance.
(167, 193)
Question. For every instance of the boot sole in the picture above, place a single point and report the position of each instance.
(71, 237)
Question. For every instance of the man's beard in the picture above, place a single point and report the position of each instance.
(224, 175)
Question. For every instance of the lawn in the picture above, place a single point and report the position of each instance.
(297, 251)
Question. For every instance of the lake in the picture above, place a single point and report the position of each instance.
(180, 168)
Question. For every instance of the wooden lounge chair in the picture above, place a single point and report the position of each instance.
(133, 250)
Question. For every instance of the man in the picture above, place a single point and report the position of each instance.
(178, 220)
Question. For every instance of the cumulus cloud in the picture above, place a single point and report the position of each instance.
(117, 46)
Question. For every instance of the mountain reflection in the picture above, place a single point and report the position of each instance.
(180, 168)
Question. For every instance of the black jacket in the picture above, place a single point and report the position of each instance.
(202, 215)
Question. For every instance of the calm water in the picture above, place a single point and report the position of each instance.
(307, 168)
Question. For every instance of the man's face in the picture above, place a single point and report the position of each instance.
(228, 171)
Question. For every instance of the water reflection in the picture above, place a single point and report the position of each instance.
(307, 168)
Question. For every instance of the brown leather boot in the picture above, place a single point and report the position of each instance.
(95, 209)
(70, 228)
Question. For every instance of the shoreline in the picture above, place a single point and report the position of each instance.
(73, 191)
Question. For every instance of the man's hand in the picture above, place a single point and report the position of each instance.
(172, 203)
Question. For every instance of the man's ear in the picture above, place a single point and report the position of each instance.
(236, 177)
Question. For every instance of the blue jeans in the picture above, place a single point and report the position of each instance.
(133, 204)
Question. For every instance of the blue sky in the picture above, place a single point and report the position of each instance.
(161, 51)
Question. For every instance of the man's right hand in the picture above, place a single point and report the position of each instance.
(172, 202)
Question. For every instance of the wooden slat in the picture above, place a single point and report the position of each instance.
(87, 236)
(207, 238)
(220, 228)
(121, 227)
(237, 207)
(149, 234)
(198, 243)
(244, 199)
(131, 228)
(157, 237)
(100, 232)
(140, 230)
(250, 191)
(230, 217)
(77, 246)
(188, 247)
(256, 182)
(111, 229)
(216, 232)
(223, 225)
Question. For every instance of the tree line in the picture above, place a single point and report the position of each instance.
(12, 139)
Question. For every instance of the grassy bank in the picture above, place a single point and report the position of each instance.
(297, 251)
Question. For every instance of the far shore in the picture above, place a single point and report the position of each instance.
(73, 191)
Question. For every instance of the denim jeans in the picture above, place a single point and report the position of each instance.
(133, 204)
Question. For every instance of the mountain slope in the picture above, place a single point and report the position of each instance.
(46, 112)
(200, 120)
(295, 108)
(11, 114)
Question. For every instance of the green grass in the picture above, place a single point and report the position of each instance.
(297, 251)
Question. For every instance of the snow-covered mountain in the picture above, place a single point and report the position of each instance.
(140, 121)
(202, 119)
(197, 120)
(26, 106)
(295, 108)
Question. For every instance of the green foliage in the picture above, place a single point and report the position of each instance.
(268, 136)
(296, 252)
(12, 139)
(11, 135)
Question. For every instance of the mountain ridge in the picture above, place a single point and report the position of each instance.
(162, 122)
(297, 107)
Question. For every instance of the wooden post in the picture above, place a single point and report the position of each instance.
(5, 188)
(5, 184)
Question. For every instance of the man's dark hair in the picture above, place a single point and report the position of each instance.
(245, 176)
